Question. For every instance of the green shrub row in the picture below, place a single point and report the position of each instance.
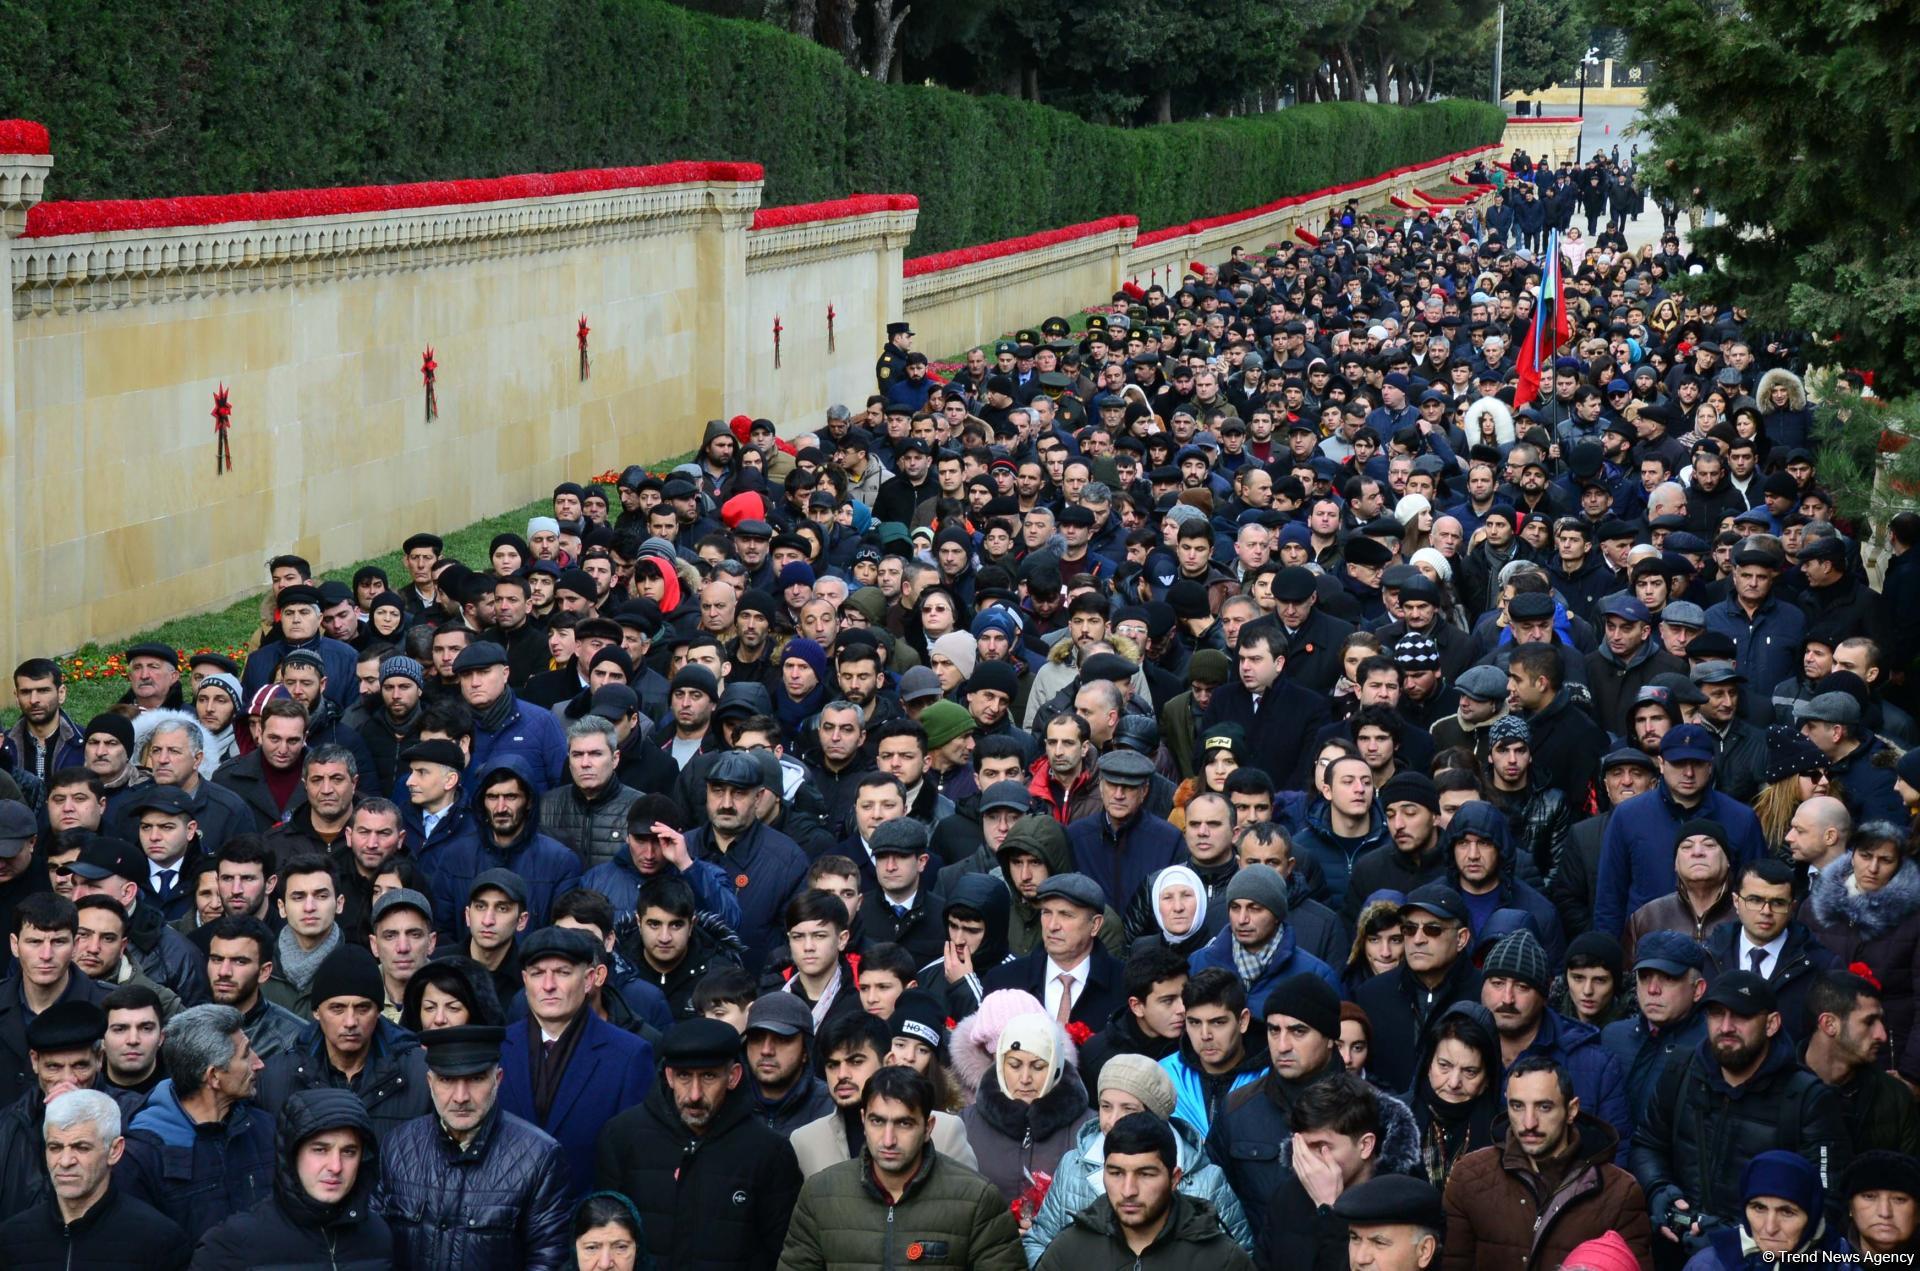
(164, 97)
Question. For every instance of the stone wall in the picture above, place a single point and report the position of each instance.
(315, 308)
(317, 325)
(959, 298)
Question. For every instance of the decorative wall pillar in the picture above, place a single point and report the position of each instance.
(25, 160)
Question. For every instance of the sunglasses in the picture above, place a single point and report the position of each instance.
(1432, 930)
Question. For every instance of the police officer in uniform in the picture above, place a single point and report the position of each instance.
(892, 366)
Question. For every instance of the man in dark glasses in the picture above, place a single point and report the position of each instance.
(1433, 920)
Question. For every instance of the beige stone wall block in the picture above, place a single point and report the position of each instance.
(49, 373)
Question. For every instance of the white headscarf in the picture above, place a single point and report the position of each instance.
(1035, 1033)
(1180, 876)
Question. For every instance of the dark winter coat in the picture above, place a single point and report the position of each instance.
(1399, 1007)
(1882, 929)
(1315, 843)
(713, 945)
(1251, 1140)
(16, 1074)
(1192, 1240)
(1645, 1054)
(1104, 992)
(547, 867)
(1012, 1140)
(120, 1233)
(290, 1231)
(712, 1201)
(609, 1071)
(1615, 681)
(1121, 862)
(767, 869)
(499, 1204)
(1278, 732)
(1598, 1080)
(1866, 778)
(271, 1028)
(198, 1175)
(1791, 975)
(947, 1216)
(1567, 746)
(1500, 1213)
(392, 1086)
(531, 735)
(1636, 856)
(1700, 1132)
(1487, 821)
(619, 880)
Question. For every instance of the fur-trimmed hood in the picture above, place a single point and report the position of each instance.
(150, 722)
(1399, 1139)
(1796, 391)
(1503, 431)
(976, 1036)
(1872, 914)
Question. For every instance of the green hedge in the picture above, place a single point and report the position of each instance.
(162, 97)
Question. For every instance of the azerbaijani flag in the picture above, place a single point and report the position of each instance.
(1549, 330)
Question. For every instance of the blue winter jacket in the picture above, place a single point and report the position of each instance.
(620, 882)
(1148, 846)
(198, 1176)
(1490, 823)
(1315, 842)
(1636, 856)
(547, 866)
(531, 734)
(1288, 959)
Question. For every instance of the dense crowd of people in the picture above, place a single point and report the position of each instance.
(1243, 782)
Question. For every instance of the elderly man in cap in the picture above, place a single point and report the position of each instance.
(1738, 1095)
(505, 727)
(1636, 856)
(153, 675)
(1483, 699)
(438, 1171)
(1702, 898)
(351, 1047)
(714, 1185)
(767, 868)
(300, 609)
(1123, 845)
(564, 1068)
(1314, 637)
(64, 1049)
(1072, 973)
(1394, 1223)
(1669, 972)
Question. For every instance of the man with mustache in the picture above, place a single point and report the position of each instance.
(354, 1048)
(1555, 1160)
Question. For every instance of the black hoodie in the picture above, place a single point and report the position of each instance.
(987, 896)
(291, 1229)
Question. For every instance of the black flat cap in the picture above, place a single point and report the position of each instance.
(69, 1025)
(465, 1051)
(700, 1043)
(1392, 1200)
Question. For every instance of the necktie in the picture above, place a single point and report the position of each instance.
(1256, 702)
(1065, 1010)
(1757, 958)
(899, 912)
(166, 882)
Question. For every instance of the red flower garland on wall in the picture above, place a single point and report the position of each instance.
(222, 421)
(429, 372)
(1012, 246)
(832, 210)
(106, 215)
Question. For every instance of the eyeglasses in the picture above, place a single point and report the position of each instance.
(1432, 930)
(1769, 904)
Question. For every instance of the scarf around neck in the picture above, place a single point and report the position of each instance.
(295, 963)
